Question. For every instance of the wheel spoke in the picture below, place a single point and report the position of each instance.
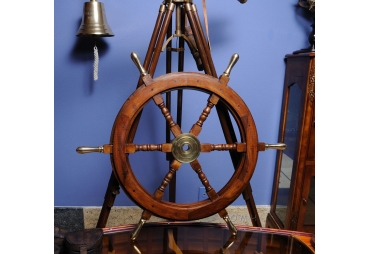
(160, 191)
(186, 146)
(132, 148)
(212, 194)
(238, 147)
(174, 127)
(197, 127)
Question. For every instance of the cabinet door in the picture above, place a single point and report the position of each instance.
(306, 220)
(290, 138)
(294, 178)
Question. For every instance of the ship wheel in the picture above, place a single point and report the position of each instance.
(185, 147)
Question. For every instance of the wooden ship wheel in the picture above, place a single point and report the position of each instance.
(185, 147)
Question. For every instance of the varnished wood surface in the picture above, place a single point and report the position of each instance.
(122, 143)
(300, 70)
(162, 27)
(180, 237)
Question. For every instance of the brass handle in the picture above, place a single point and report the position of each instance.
(278, 146)
(89, 149)
(136, 231)
(264, 146)
(233, 60)
(135, 58)
(230, 225)
(94, 149)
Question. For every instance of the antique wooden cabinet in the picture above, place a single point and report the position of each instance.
(293, 197)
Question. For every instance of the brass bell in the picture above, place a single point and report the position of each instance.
(94, 22)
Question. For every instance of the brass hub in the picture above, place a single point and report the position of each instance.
(186, 148)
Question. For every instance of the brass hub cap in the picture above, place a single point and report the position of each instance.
(186, 148)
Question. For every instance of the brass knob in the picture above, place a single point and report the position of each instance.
(94, 149)
(233, 60)
(135, 58)
(89, 149)
(263, 146)
(278, 146)
(230, 225)
(136, 231)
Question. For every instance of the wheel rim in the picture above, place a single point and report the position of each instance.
(121, 141)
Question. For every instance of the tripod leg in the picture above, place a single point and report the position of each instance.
(169, 157)
(222, 111)
(203, 40)
(181, 66)
(113, 185)
(210, 69)
(180, 24)
(161, 37)
(191, 14)
(248, 197)
(110, 196)
(153, 53)
(153, 40)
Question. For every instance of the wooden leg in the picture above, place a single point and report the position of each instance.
(111, 249)
(110, 196)
(150, 63)
(248, 197)
(222, 111)
(113, 185)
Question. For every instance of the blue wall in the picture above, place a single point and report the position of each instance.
(260, 31)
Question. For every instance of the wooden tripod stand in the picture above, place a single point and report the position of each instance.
(195, 38)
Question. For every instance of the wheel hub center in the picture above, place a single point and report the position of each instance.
(186, 148)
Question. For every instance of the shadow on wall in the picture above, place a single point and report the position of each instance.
(220, 36)
(83, 51)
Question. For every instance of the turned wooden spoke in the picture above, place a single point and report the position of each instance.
(174, 127)
(205, 114)
(166, 113)
(160, 191)
(167, 147)
(212, 194)
(238, 147)
(122, 146)
(223, 147)
(132, 148)
(197, 127)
